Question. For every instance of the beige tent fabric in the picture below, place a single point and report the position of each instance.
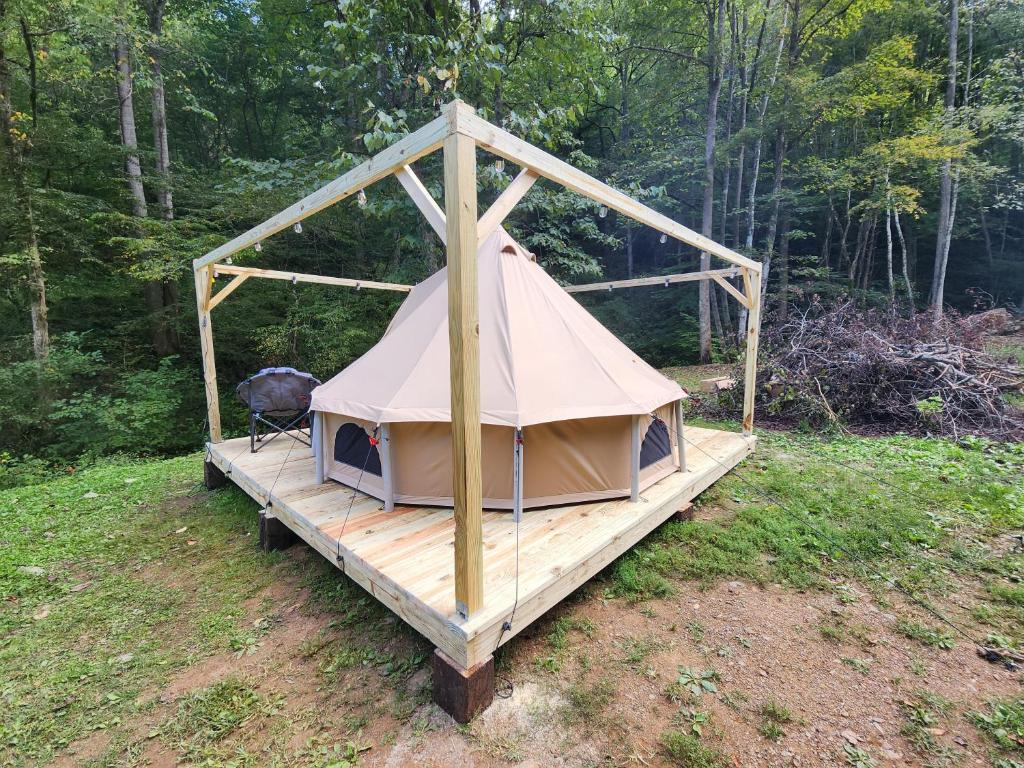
(543, 358)
(564, 462)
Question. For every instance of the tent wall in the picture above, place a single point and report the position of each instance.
(565, 462)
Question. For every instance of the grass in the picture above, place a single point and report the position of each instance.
(852, 508)
(116, 579)
(773, 716)
(1003, 723)
(686, 750)
(90, 604)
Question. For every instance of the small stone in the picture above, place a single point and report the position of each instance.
(850, 736)
(124, 658)
(41, 613)
(735, 586)
(90, 495)
(891, 754)
(32, 570)
(80, 587)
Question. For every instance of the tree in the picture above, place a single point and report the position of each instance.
(949, 180)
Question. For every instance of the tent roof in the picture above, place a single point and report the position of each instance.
(543, 357)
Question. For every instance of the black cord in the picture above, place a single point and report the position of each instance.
(352, 499)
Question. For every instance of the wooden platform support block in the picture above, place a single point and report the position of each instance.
(213, 477)
(717, 384)
(462, 693)
(684, 513)
(274, 534)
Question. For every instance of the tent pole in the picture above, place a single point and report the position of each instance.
(387, 471)
(204, 285)
(679, 435)
(464, 346)
(517, 476)
(634, 463)
(318, 446)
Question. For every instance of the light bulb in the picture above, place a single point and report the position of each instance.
(603, 211)
(258, 247)
(298, 227)
(499, 165)
(361, 197)
(663, 239)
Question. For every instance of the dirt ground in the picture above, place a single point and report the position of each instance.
(602, 696)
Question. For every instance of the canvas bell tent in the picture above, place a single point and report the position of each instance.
(492, 389)
(568, 412)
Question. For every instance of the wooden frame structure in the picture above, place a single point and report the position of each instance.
(459, 132)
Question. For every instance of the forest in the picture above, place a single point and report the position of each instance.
(864, 150)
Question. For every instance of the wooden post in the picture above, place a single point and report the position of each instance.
(464, 344)
(204, 284)
(680, 442)
(752, 285)
(386, 470)
(634, 460)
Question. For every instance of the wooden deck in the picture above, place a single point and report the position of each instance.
(405, 558)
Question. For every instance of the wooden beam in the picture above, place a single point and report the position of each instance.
(401, 153)
(317, 439)
(752, 282)
(638, 282)
(227, 290)
(506, 201)
(464, 346)
(732, 290)
(299, 277)
(504, 144)
(424, 200)
(204, 283)
(680, 440)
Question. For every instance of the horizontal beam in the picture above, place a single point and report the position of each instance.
(637, 282)
(504, 144)
(299, 277)
(414, 146)
(424, 201)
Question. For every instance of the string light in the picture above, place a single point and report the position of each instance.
(603, 211)
(298, 227)
(258, 247)
(361, 197)
(499, 165)
(663, 239)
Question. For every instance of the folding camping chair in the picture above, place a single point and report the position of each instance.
(278, 401)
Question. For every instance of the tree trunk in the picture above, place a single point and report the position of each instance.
(947, 193)
(784, 265)
(129, 139)
(163, 298)
(716, 27)
(773, 219)
(906, 260)
(16, 143)
(888, 241)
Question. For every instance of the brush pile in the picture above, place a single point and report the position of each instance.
(864, 368)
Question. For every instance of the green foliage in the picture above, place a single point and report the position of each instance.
(1003, 722)
(685, 750)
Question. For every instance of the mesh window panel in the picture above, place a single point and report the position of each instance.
(352, 446)
(656, 445)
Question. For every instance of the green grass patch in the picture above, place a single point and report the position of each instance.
(112, 580)
(807, 512)
(926, 635)
(685, 749)
(211, 714)
(1003, 723)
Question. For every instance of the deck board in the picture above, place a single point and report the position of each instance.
(405, 558)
